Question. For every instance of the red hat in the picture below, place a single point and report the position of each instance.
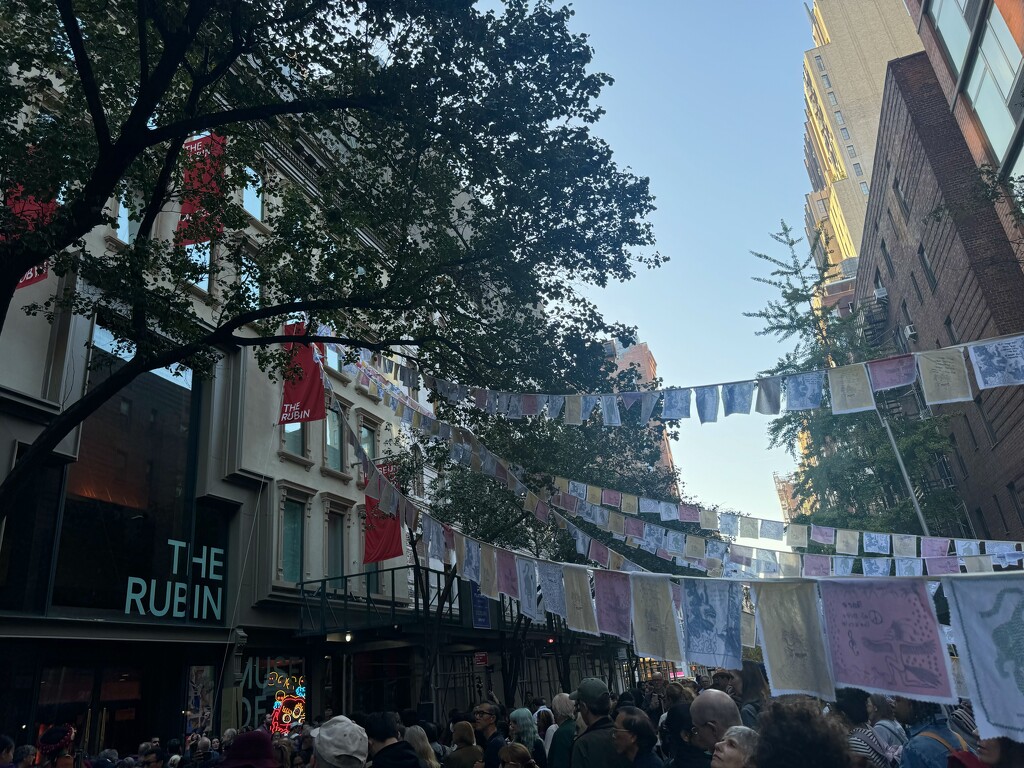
(251, 750)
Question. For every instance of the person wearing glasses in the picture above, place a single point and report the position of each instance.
(595, 747)
(485, 723)
(713, 713)
(634, 738)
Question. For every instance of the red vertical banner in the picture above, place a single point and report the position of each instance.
(202, 177)
(382, 538)
(303, 398)
(32, 213)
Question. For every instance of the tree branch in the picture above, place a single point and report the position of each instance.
(85, 74)
(260, 112)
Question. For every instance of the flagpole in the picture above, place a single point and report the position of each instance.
(906, 477)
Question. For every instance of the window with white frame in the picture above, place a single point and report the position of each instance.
(291, 553)
(252, 194)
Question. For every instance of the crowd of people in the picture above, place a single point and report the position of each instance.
(727, 720)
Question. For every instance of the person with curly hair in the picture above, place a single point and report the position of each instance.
(794, 734)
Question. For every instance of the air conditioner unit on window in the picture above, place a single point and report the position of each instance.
(910, 332)
(882, 295)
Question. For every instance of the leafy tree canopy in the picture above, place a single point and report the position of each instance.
(429, 170)
(847, 473)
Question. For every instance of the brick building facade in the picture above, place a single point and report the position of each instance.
(947, 279)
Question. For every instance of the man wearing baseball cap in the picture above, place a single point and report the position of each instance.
(339, 743)
(594, 748)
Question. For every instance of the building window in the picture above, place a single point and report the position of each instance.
(953, 30)
(821, 64)
(850, 151)
(979, 519)
(832, 98)
(878, 279)
(950, 331)
(904, 208)
(293, 515)
(335, 546)
(864, 187)
(888, 259)
(991, 84)
(1011, 489)
(126, 228)
(989, 428)
(845, 133)
(825, 79)
(294, 438)
(957, 455)
(926, 265)
(252, 195)
(857, 170)
(970, 432)
(839, 117)
(907, 320)
(917, 288)
(368, 439)
(334, 439)
(822, 211)
(199, 254)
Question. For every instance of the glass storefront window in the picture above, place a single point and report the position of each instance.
(952, 28)
(273, 692)
(131, 541)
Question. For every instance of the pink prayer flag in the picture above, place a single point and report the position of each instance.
(613, 596)
(677, 596)
(449, 537)
(689, 513)
(542, 511)
(942, 566)
(570, 503)
(892, 372)
(598, 553)
(934, 547)
(611, 498)
(508, 576)
(634, 526)
(823, 534)
(663, 554)
(883, 637)
(817, 565)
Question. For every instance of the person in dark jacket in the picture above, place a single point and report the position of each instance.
(560, 744)
(485, 723)
(676, 740)
(634, 737)
(594, 748)
(382, 734)
(523, 730)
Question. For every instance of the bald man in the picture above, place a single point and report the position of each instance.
(713, 713)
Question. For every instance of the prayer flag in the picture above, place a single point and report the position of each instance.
(817, 566)
(942, 566)
(712, 622)
(612, 595)
(876, 566)
(850, 389)
(904, 545)
(769, 396)
(892, 372)
(471, 567)
(729, 524)
(488, 572)
(694, 547)
(883, 637)
(804, 390)
(934, 547)
(655, 627)
(580, 615)
(792, 642)
(998, 363)
(773, 529)
(616, 523)
(676, 404)
(647, 402)
(573, 410)
(610, 411)
(689, 513)
(598, 553)
(796, 535)
(944, 376)
(877, 543)
(550, 578)
(737, 397)
(847, 542)
(611, 498)
(526, 573)
(909, 566)
(630, 503)
(707, 404)
(508, 578)
(823, 534)
(749, 527)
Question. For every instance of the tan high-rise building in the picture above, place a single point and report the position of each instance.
(843, 79)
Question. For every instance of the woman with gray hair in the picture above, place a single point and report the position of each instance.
(558, 740)
(736, 749)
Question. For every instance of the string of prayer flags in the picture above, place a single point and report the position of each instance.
(850, 389)
(944, 376)
(611, 595)
(998, 363)
(792, 644)
(711, 620)
(656, 632)
(804, 391)
(881, 624)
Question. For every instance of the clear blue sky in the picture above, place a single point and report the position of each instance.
(708, 103)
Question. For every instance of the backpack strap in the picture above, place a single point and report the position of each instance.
(949, 747)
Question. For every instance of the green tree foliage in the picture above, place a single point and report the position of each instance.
(430, 171)
(847, 473)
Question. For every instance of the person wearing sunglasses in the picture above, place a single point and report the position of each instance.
(485, 723)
